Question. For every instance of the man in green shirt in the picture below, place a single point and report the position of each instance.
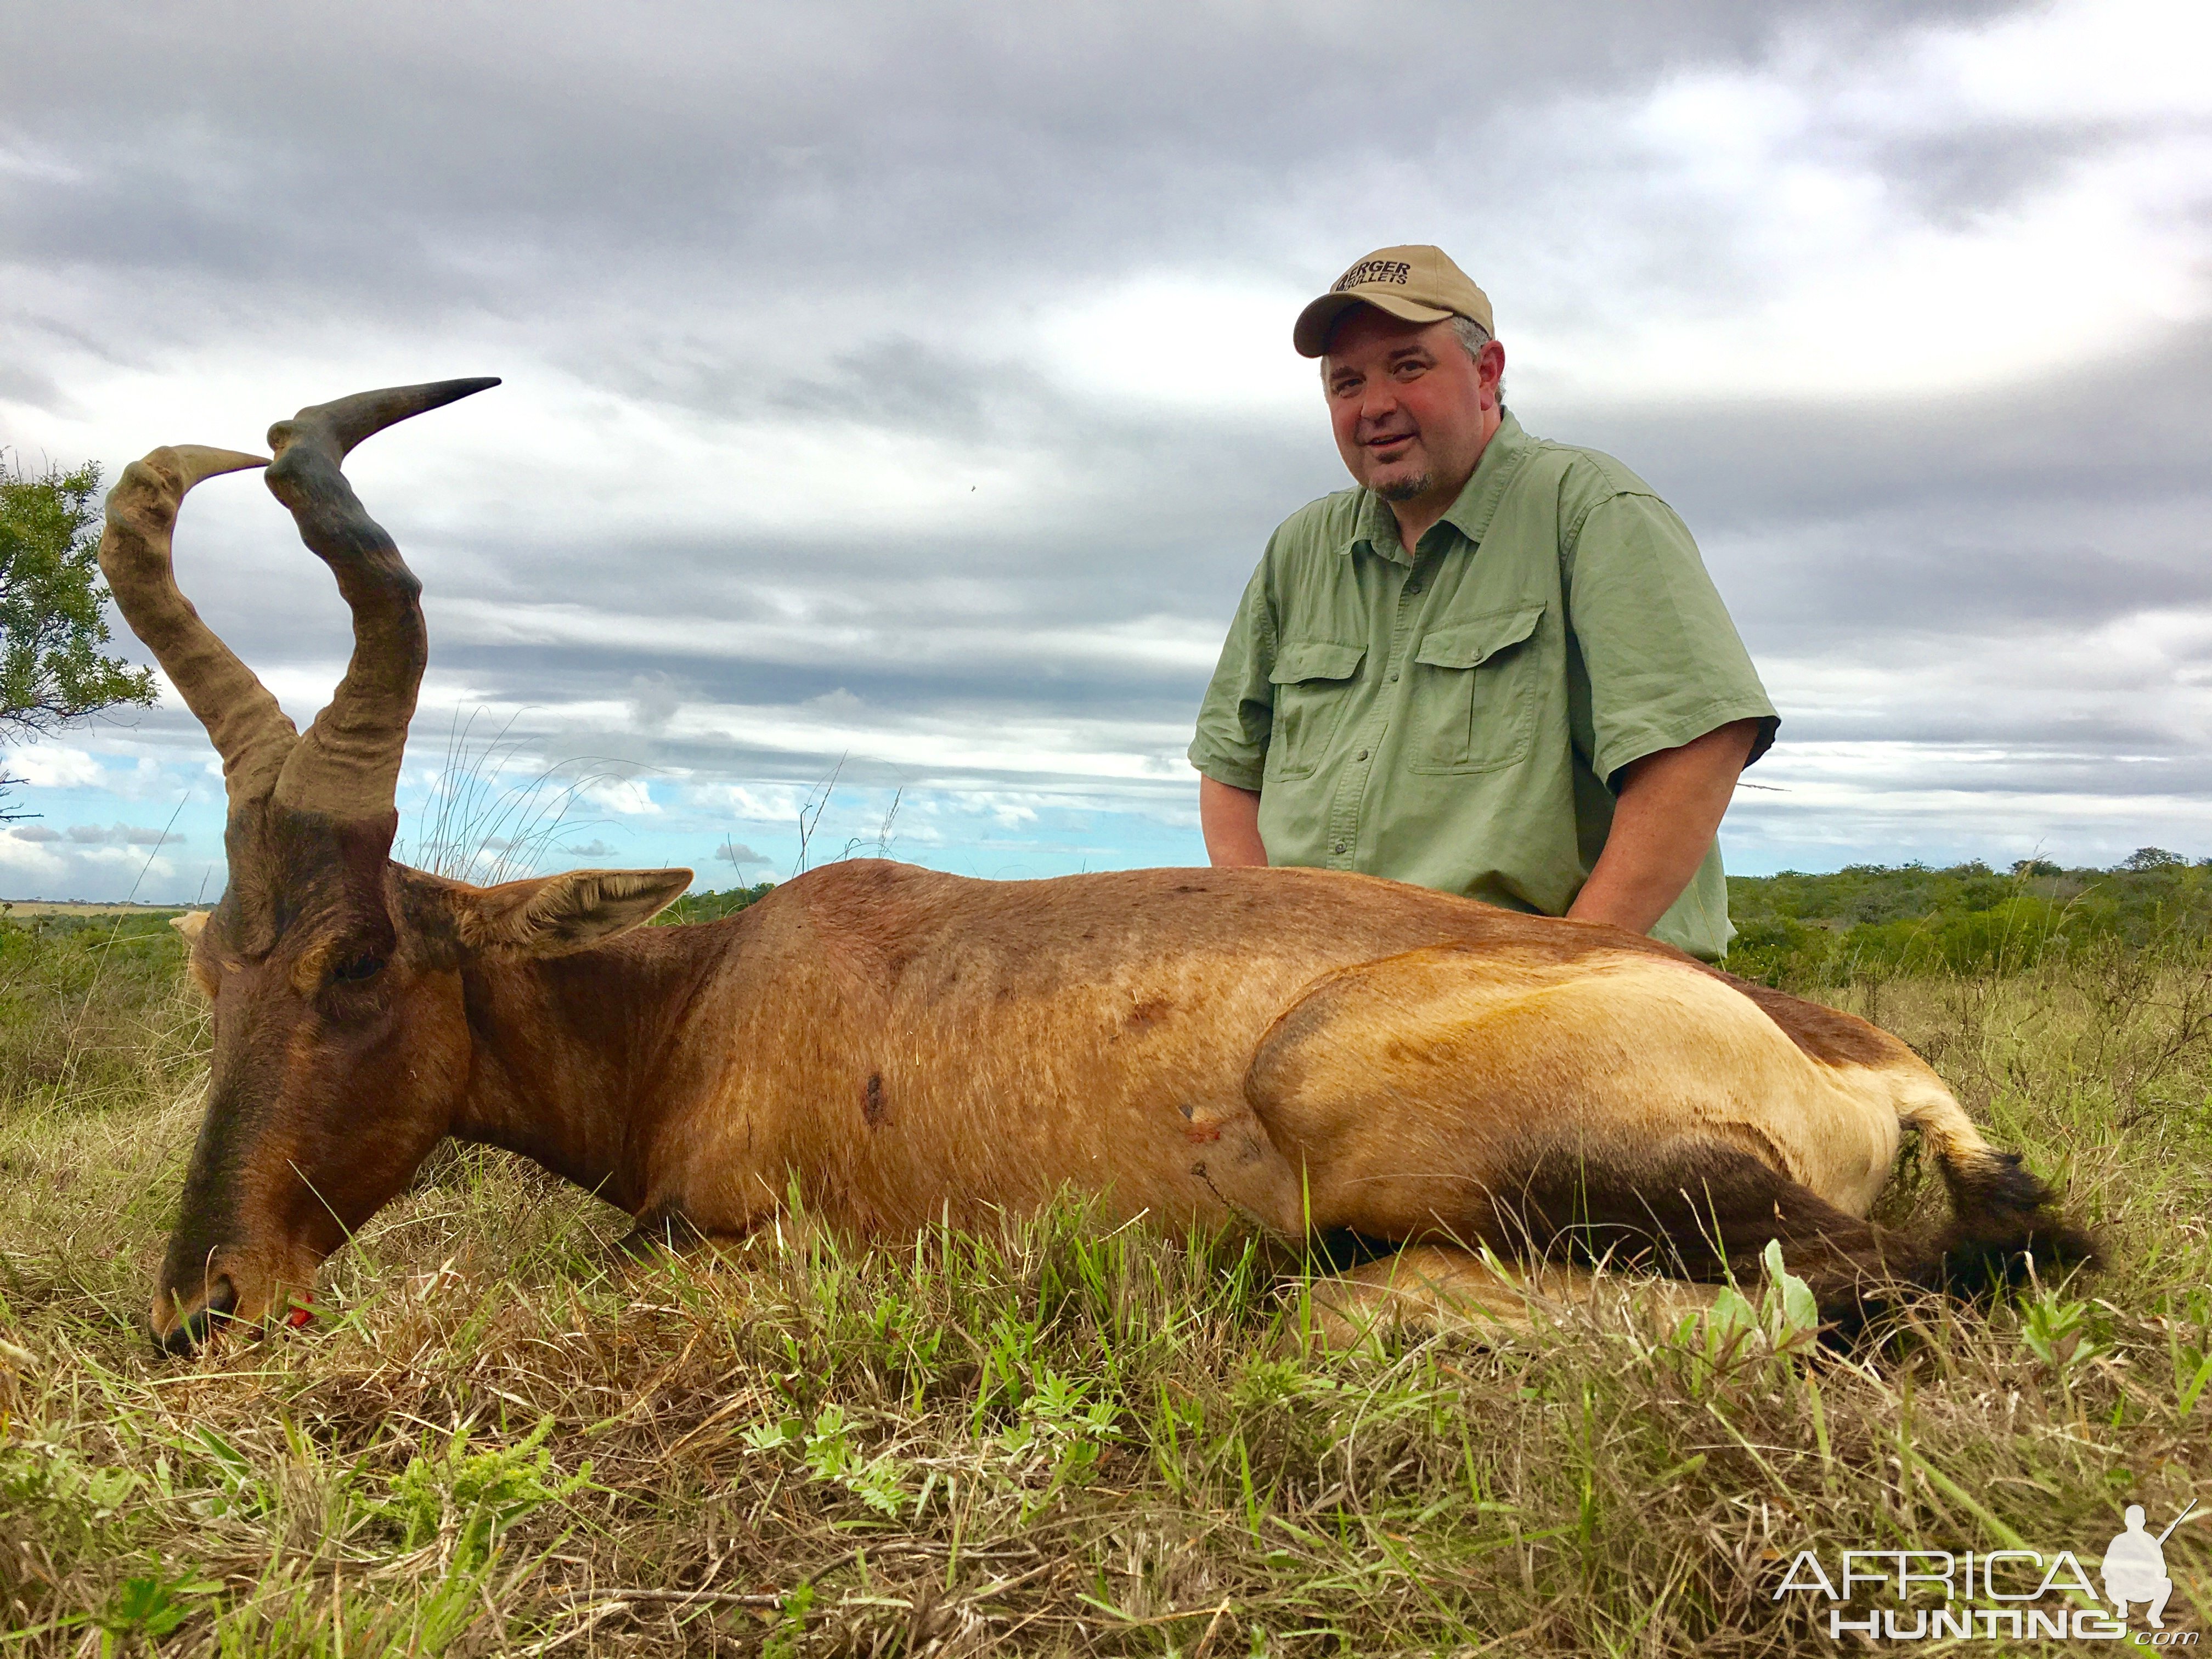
(1497, 667)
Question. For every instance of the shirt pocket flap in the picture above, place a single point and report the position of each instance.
(1315, 659)
(1466, 644)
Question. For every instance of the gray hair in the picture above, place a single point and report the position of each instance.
(1472, 335)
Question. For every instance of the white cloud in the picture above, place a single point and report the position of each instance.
(1817, 274)
(26, 858)
(1187, 340)
(755, 803)
(56, 766)
(629, 797)
(2113, 60)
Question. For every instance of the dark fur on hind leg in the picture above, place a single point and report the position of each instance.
(1704, 1211)
(1699, 1211)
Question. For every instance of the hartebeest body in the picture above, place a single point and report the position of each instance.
(1299, 1051)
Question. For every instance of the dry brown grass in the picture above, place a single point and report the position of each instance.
(498, 1440)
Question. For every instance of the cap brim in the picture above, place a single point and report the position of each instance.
(1310, 333)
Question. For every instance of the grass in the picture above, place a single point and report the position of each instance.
(500, 1438)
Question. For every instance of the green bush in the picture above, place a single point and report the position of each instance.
(713, 907)
(87, 1005)
(1874, 921)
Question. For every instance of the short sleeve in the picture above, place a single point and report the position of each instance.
(1238, 713)
(1665, 663)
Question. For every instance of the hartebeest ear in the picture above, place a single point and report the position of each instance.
(552, 915)
(192, 924)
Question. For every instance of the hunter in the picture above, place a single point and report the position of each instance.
(1496, 666)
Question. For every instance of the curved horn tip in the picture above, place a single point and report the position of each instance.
(347, 421)
(169, 473)
(196, 462)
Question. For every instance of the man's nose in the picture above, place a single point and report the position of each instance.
(1377, 403)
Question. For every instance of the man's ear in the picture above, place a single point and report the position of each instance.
(552, 915)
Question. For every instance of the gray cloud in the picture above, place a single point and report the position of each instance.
(799, 467)
(113, 835)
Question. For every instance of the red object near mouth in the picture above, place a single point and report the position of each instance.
(299, 1318)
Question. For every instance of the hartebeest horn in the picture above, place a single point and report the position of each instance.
(247, 728)
(348, 763)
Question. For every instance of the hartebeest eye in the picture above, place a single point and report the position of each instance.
(357, 969)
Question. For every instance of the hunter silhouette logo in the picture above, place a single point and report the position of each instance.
(2135, 1566)
(1996, 1595)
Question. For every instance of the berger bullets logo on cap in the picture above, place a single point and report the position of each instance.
(1416, 284)
(1373, 271)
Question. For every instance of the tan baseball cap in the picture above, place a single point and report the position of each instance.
(1419, 284)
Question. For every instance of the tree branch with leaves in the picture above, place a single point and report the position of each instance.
(52, 608)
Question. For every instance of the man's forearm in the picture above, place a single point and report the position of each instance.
(1670, 806)
(1228, 818)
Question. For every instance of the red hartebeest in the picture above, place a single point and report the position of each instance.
(1305, 1051)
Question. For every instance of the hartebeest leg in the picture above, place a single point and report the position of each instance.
(1445, 1288)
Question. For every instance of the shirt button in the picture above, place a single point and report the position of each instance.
(1413, 587)
(1394, 677)
(1362, 754)
(1338, 849)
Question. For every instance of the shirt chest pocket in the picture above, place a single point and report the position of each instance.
(1313, 681)
(1475, 691)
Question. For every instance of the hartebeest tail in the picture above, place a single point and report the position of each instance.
(1284, 1049)
(2005, 1221)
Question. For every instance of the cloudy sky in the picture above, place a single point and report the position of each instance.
(897, 396)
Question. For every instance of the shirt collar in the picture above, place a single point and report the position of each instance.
(1375, 526)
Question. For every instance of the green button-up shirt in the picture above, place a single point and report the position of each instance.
(1459, 718)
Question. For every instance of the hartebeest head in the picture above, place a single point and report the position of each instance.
(341, 1044)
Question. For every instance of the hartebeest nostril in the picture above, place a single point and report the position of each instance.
(193, 1331)
(188, 1335)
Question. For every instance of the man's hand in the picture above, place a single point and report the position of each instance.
(1230, 819)
(1669, 806)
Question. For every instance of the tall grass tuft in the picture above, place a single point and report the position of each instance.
(494, 815)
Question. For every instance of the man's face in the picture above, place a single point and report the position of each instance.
(1411, 410)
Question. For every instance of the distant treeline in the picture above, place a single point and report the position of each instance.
(713, 907)
(1874, 920)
